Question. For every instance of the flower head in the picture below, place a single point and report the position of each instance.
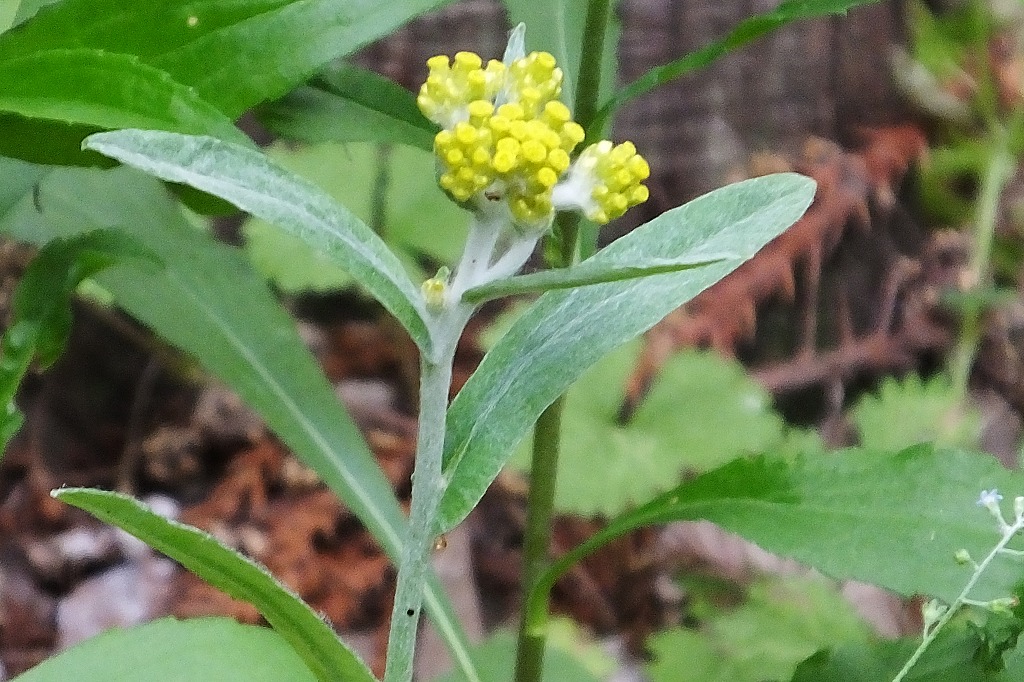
(506, 137)
(989, 498)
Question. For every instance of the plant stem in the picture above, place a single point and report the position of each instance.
(539, 506)
(426, 496)
(929, 636)
(589, 85)
(997, 172)
(427, 490)
(564, 250)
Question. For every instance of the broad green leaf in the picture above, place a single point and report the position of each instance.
(568, 656)
(234, 54)
(170, 650)
(391, 188)
(350, 104)
(950, 658)
(701, 412)
(891, 519)
(208, 302)
(782, 621)
(565, 332)
(929, 411)
(744, 32)
(248, 179)
(111, 91)
(585, 274)
(227, 570)
(557, 27)
(41, 308)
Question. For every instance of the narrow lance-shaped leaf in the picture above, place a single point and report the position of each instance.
(248, 179)
(565, 332)
(585, 274)
(41, 308)
(227, 570)
(169, 650)
(891, 519)
(746, 31)
(350, 104)
(111, 91)
(207, 301)
(234, 54)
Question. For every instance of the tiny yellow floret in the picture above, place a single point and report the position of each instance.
(506, 136)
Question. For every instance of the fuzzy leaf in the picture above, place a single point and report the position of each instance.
(584, 274)
(208, 302)
(565, 332)
(392, 188)
(248, 179)
(170, 650)
(227, 570)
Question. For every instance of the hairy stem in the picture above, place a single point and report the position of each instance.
(427, 488)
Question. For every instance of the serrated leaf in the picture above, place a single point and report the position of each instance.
(41, 308)
(227, 570)
(208, 302)
(170, 650)
(565, 332)
(248, 179)
(891, 519)
(350, 104)
(701, 412)
(783, 621)
(111, 91)
(744, 32)
(410, 213)
(929, 411)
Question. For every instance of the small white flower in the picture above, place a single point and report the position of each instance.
(988, 498)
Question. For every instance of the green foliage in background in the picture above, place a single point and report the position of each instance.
(780, 622)
(701, 412)
(905, 412)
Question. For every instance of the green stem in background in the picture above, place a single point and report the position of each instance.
(537, 540)
(588, 90)
(998, 171)
(563, 251)
(588, 86)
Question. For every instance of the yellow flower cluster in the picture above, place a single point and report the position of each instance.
(616, 173)
(506, 136)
